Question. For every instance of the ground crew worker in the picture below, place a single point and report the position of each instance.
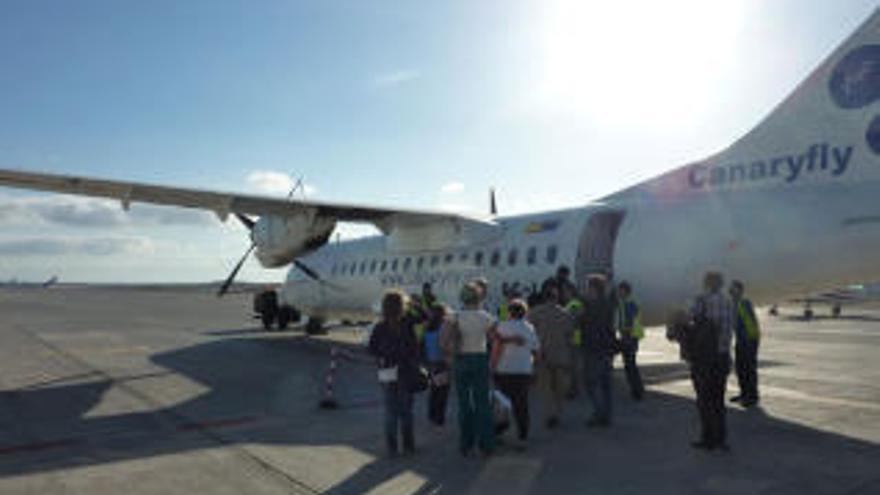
(574, 306)
(629, 326)
(748, 337)
(554, 326)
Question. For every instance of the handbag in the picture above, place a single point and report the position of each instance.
(421, 380)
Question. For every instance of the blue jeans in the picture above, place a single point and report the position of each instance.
(398, 412)
(597, 381)
(474, 415)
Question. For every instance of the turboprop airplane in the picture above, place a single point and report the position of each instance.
(852, 295)
(790, 208)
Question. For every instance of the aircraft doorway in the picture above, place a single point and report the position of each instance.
(595, 253)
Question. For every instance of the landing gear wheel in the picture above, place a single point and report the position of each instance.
(808, 314)
(835, 311)
(315, 326)
(774, 311)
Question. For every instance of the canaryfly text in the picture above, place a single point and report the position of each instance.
(821, 158)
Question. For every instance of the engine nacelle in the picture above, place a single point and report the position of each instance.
(280, 240)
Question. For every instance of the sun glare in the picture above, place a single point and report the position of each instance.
(649, 63)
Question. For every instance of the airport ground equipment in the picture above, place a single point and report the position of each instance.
(267, 309)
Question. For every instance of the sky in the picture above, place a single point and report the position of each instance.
(405, 104)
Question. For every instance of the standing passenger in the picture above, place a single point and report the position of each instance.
(513, 372)
(629, 325)
(438, 367)
(748, 337)
(555, 327)
(472, 326)
(393, 342)
(709, 355)
(597, 325)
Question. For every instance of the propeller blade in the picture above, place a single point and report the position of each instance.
(228, 282)
(247, 222)
(312, 274)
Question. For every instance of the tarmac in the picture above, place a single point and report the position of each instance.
(106, 391)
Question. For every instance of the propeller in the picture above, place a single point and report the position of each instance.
(249, 224)
(493, 206)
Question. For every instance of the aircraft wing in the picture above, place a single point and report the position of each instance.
(223, 203)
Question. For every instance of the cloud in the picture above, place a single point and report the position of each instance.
(273, 182)
(90, 246)
(452, 188)
(91, 212)
(396, 78)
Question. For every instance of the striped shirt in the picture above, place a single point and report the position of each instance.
(719, 309)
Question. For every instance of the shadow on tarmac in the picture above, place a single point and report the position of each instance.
(251, 397)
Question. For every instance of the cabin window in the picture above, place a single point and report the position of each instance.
(496, 257)
(406, 263)
(420, 262)
(511, 257)
(373, 266)
(552, 252)
(363, 267)
(353, 269)
(478, 258)
(394, 265)
(531, 255)
(383, 266)
(434, 260)
(449, 258)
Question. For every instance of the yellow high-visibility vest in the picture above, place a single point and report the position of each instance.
(753, 332)
(638, 331)
(573, 307)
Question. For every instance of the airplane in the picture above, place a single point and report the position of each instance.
(790, 208)
(851, 295)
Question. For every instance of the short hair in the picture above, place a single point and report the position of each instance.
(427, 286)
(597, 283)
(470, 294)
(626, 287)
(713, 281)
(518, 308)
(563, 269)
(737, 284)
(393, 303)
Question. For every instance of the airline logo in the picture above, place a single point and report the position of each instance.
(820, 158)
(855, 81)
(538, 227)
(855, 84)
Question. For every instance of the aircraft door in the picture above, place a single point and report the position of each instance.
(595, 253)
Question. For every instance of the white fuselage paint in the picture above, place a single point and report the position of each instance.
(779, 242)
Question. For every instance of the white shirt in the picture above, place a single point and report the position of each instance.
(474, 325)
(515, 358)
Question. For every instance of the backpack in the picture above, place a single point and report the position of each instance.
(701, 337)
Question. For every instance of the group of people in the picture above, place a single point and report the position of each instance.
(554, 340)
(706, 335)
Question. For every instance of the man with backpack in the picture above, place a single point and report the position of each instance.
(708, 341)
